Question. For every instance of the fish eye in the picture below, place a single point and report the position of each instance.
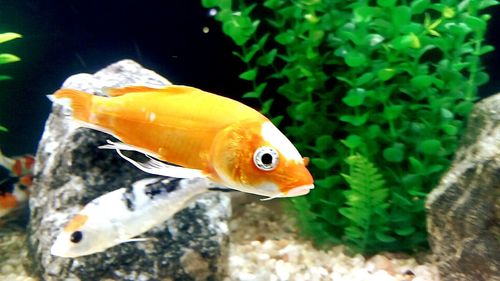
(266, 158)
(76, 237)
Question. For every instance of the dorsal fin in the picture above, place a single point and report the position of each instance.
(171, 89)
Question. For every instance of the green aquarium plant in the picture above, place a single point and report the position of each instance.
(377, 93)
(7, 58)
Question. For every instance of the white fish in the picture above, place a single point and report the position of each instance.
(118, 216)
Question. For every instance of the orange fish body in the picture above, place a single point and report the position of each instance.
(14, 190)
(185, 126)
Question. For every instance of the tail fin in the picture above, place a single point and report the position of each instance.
(80, 102)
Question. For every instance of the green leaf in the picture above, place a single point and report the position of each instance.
(225, 4)
(237, 26)
(355, 120)
(434, 169)
(481, 78)
(394, 154)
(392, 112)
(464, 108)
(364, 13)
(5, 77)
(277, 120)
(8, 58)
(328, 182)
(485, 49)
(386, 3)
(405, 231)
(324, 142)
(322, 163)
(4, 37)
(401, 16)
(406, 42)
(419, 6)
(260, 88)
(266, 106)
(386, 74)
(401, 200)
(381, 236)
(355, 59)
(421, 81)
(262, 41)
(303, 110)
(365, 78)
(257, 93)
(249, 74)
(268, 58)
(251, 95)
(353, 141)
(475, 23)
(416, 165)
(449, 129)
(355, 97)
(273, 4)
(285, 38)
(3, 129)
(430, 146)
(209, 3)
(487, 3)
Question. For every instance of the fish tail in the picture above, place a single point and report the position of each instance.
(6, 162)
(80, 102)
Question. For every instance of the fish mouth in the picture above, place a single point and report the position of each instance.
(298, 191)
(57, 250)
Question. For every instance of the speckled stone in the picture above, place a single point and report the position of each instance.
(70, 171)
(464, 210)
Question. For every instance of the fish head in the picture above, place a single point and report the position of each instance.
(81, 236)
(256, 157)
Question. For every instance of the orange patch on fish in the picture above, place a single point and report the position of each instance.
(29, 161)
(8, 201)
(26, 180)
(76, 223)
(17, 169)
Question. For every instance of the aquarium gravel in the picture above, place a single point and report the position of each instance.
(265, 246)
(13, 253)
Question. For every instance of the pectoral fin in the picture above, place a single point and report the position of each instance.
(153, 166)
(138, 239)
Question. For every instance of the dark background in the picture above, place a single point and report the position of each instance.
(61, 38)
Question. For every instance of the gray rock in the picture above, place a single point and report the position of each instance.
(464, 210)
(71, 171)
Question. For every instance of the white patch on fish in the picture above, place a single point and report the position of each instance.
(277, 139)
(152, 117)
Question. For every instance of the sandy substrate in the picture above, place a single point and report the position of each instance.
(12, 254)
(265, 246)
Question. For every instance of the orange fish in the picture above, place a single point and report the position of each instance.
(12, 195)
(18, 166)
(14, 190)
(202, 134)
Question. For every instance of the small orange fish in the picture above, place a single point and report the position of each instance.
(12, 195)
(203, 134)
(14, 190)
(18, 166)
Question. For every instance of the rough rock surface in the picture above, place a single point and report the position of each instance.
(464, 210)
(71, 171)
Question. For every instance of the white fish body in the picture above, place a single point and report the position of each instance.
(120, 215)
